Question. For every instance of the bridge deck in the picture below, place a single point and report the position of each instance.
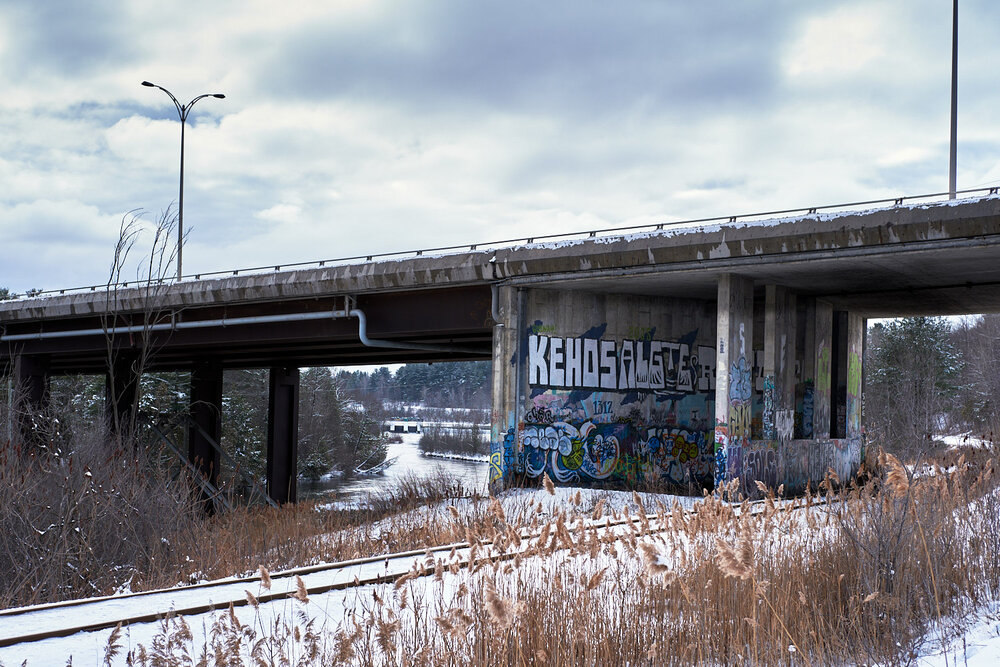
(905, 260)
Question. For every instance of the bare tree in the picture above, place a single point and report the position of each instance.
(128, 334)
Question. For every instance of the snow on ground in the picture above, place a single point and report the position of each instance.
(964, 440)
(980, 644)
(329, 609)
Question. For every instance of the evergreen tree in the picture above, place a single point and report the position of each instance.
(913, 374)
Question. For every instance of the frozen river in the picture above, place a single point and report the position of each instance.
(409, 461)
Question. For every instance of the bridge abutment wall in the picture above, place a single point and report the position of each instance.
(622, 390)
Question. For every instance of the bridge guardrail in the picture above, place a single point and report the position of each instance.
(471, 247)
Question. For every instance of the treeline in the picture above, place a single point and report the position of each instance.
(337, 432)
(462, 384)
(340, 412)
(927, 376)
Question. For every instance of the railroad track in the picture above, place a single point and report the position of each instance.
(63, 619)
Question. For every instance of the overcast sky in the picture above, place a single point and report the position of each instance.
(359, 127)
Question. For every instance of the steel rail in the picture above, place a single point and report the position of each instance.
(415, 569)
(402, 254)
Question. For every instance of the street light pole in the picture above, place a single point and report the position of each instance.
(182, 113)
(953, 152)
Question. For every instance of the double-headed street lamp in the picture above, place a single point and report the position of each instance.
(182, 112)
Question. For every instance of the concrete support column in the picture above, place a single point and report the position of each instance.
(807, 383)
(855, 356)
(31, 395)
(779, 364)
(838, 375)
(121, 392)
(283, 435)
(734, 379)
(822, 359)
(504, 455)
(206, 417)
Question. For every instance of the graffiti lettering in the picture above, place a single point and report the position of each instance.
(759, 465)
(602, 407)
(496, 466)
(807, 410)
(616, 452)
(649, 365)
(720, 466)
(740, 393)
(769, 429)
(539, 415)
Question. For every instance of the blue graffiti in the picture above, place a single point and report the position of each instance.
(720, 467)
(807, 411)
(740, 386)
(509, 458)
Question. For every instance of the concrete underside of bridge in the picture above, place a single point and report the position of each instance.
(693, 355)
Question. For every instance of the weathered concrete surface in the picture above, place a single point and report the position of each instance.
(622, 390)
(937, 258)
(386, 276)
(605, 389)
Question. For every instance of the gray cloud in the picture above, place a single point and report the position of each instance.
(66, 37)
(393, 125)
(580, 57)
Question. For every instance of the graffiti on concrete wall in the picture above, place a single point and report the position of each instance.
(568, 452)
(758, 370)
(807, 462)
(784, 425)
(853, 392)
(767, 417)
(496, 464)
(617, 411)
(807, 410)
(721, 442)
(821, 393)
(622, 451)
(740, 395)
(759, 465)
(503, 457)
(732, 437)
(823, 368)
(586, 362)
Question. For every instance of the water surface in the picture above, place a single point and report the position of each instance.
(409, 461)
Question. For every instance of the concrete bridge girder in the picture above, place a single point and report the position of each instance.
(650, 319)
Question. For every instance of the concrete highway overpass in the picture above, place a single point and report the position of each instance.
(698, 353)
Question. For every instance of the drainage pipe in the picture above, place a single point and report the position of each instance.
(259, 319)
(374, 342)
(495, 304)
(167, 326)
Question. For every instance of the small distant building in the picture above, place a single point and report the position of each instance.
(402, 426)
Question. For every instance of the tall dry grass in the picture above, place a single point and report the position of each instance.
(102, 519)
(859, 576)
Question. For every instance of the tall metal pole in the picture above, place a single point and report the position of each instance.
(953, 164)
(182, 113)
(180, 205)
